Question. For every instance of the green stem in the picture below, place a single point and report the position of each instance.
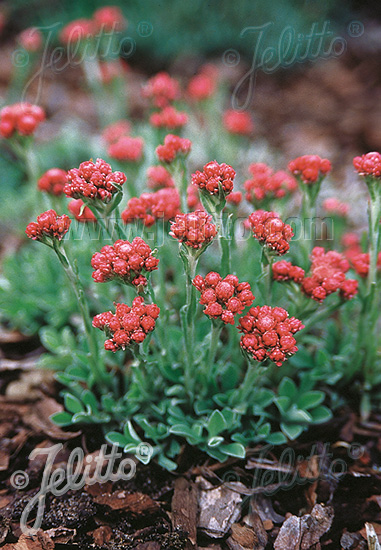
(190, 265)
(370, 312)
(214, 340)
(322, 314)
(253, 372)
(96, 366)
(224, 240)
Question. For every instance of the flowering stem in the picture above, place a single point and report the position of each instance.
(268, 274)
(214, 339)
(322, 314)
(98, 371)
(224, 240)
(308, 215)
(370, 312)
(181, 181)
(253, 372)
(188, 313)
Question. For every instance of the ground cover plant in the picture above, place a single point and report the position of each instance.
(193, 291)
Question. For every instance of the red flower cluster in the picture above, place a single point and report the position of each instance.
(234, 198)
(201, 87)
(169, 118)
(285, 271)
(173, 147)
(81, 212)
(193, 198)
(194, 230)
(127, 148)
(77, 31)
(22, 118)
(368, 165)
(269, 230)
(360, 263)
(93, 180)
(109, 19)
(335, 207)
(53, 181)
(48, 224)
(223, 298)
(114, 131)
(161, 89)
(215, 177)
(268, 334)
(129, 325)
(158, 177)
(149, 207)
(267, 184)
(328, 275)
(238, 122)
(124, 261)
(310, 168)
(31, 39)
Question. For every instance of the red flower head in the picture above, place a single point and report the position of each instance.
(201, 87)
(193, 198)
(285, 271)
(129, 325)
(77, 31)
(109, 19)
(161, 89)
(234, 198)
(127, 148)
(368, 165)
(194, 230)
(114, 131)
(223, 298)
(174, 147)
(53, 181)
(268, 334)
(269, 230)
(310, 168)
(238, 122)
(158, 177)
(215, 178)
(124, 261)
(48, 225)
(81, 212)
(327, 275)
(93, 180)
(169, 118)
(31, 39)
(335, 207)
(149, 207)
(266, 184)
(21, 118)
(360, 262)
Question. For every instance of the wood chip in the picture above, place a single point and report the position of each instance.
(39, 541)
(184, 510)
(304, 532)
(220, 507)
(135, 503)
(102, 535)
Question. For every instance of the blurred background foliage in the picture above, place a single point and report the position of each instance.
(165, 29)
